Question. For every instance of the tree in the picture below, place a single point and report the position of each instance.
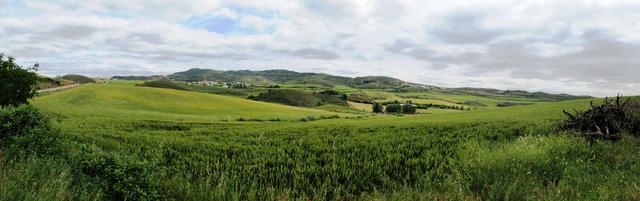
(409, 109)
(17, 84)
(378, 108)
(394, 108)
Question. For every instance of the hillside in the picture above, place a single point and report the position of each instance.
(540, 96)
(287, 77)
(78, 79)
(259, 77)
(130, 102)
(272, 77)
(194, 135)
(299, 98)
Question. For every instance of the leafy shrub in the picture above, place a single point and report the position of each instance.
(632, 110)
(378, 108)
(401, 108)
(409, 109)
(394, 108)
(605, 121)
(122, 177)
(25, 131)
(17, 85)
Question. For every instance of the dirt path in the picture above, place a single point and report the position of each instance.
(58, 88)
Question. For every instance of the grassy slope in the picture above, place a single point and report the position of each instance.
(441, 98)
(124, 101)
(492, 154)
(299, 98)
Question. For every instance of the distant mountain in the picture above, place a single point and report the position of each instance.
(286, 76)
(270, 77)
(541, 96)
(260, 77)
(81, 79)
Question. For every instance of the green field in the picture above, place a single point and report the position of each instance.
(114, 101)
(198, 150)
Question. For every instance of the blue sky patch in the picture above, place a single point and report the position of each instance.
(230, 26)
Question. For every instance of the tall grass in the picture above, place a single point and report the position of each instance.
(138, 150)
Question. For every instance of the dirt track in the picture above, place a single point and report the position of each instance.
(58, 88)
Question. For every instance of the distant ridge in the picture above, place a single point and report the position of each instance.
(280, 76)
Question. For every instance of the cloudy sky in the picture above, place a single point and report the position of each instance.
(578, 47)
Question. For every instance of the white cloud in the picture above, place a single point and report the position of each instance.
(560, 46)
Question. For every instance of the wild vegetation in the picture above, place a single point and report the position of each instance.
(279, 77)
(301, 98)
(397, 157)
(491, 154)
(17, 84)
(116, 141)
(608, 120)
(162, 84)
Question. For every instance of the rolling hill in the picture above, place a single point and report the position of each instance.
(129, 102)
(299, 98)
(191, 141)
(259, 77)
(271, 77)
(517, 94)
(81, 79)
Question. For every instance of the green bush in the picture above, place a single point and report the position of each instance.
(17, 84)
(409, 109)
(122, 177)
(378, 108)
(394, 108)
(15, 121)
(25, 131)
(632, 111)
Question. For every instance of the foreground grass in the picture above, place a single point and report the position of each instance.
(498, 154)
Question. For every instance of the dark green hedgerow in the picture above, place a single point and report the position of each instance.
(122, 177)
(24, 131)
(27, 139)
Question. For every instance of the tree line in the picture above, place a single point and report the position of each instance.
(410, 107)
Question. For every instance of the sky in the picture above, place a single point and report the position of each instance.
(577, 47)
